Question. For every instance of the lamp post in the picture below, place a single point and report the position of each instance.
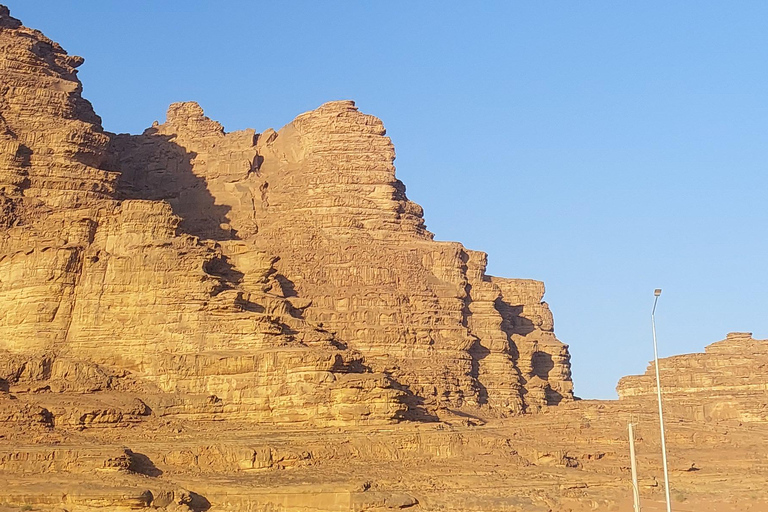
(633, 463)
(656, 293)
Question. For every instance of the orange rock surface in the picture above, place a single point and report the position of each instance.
(192, 319)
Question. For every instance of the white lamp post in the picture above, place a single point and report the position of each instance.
(633, 463)
(656, 293)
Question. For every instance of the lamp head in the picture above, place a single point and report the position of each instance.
(657, 292)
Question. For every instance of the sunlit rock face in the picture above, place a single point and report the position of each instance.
(354, 254)
(728, 381)
(95, 285)
(281, 276)
(197, 320)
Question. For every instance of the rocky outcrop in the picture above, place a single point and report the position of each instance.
(247, 266)
(321, 194)
(89, 279)
(53, 147)
(729, 380)
(278, 277)
(198, 320)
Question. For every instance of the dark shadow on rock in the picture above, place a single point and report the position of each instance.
(415, 405)
(141, 464)
(248, 305)
(334, 341)
(47, 418)
(9, 211)
(24, 156)
(553, 397)
(221, 267)
(154, 167)
(289, 289)
(542, 364)
(285, 329)
(354, 365)
(478, 352)
(399, 191)
(510, 316)
(341, 345)
(198, 503)
(513, 322)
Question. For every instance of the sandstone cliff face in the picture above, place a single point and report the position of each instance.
(51, 140)
(728, 381)
(51, 185)
(90, 281)
(282, 276)
(197, 320)
(321, 194)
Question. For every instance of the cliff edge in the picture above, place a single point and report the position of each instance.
(280, 276)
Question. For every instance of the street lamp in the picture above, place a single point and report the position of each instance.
(656, 293)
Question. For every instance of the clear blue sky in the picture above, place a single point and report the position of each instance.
(606, 148)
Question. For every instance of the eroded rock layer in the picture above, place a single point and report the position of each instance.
(281, 276)
(728, 381)
(197, 320)
(91, 284)
(354, 254)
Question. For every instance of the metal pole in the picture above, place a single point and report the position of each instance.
(656, 293)
(633, 462)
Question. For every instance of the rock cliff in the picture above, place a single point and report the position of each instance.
(93, 282)
(198, 320)
(354, 254)
(282, 270)
(728, 381)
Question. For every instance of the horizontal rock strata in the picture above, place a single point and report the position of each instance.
(197, 320)
(321, 194)
(728, 381)
(89, 279)
(278, 277)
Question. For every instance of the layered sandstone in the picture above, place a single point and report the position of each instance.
(278, 277)
(728, 381)
(198, 320)
(91, 281)
(321, 194)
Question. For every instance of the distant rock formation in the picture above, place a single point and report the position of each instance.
(276, 277)
(728, 381)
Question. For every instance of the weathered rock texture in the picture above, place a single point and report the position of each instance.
(95, 283)
(92, 447)
(281, 276)
(354, 255)
(728, 381)
(192, 319)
